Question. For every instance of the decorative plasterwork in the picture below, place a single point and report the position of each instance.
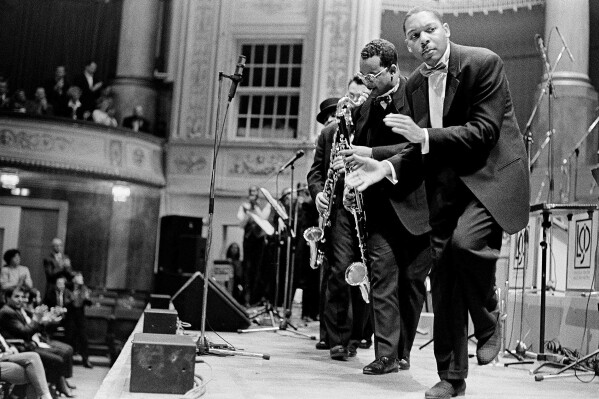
(461, 6)
(337, 31)
(80, 148)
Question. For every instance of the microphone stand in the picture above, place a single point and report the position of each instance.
(204, 347)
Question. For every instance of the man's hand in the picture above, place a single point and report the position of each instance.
(360, 150)
(404, 125)
(322, 203)
(366, 172)
(338, 164)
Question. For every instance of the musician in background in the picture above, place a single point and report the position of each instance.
(253, 218)
(396, 216)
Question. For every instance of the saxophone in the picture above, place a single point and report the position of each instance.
(315, 235)
(357, 273)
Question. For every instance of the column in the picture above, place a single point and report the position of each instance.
(134, 83)
(571, 111)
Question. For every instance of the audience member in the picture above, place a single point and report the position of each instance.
(56, 356)
(75, 326)
(23, 369)
(40, 104)
(4, 96)
(89, 85)
(137, 122)
(14, 274)
(56, 90)
(19, 101)
(233, 255)
(104, 114)
(74, 108)
(57, 264)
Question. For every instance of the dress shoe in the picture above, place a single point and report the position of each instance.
(403, 364)
(352, 350)
(86, 363)
(445, 389)
(339, 352)
(382, 365)
(322, 345)
(488, 348)
(365, 344)
(63, 389)
(72, 386)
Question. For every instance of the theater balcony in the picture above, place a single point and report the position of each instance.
(74, 173)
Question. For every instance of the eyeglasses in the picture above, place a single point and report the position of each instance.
(369, 78)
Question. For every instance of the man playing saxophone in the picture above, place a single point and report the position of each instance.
(397, 218)
(326, 183)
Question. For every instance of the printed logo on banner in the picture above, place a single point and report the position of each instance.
(582, 244)
(520, 249)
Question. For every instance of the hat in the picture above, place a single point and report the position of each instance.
(328, 105)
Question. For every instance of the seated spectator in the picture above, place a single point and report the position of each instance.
(19, 101)
(234, 257)
(104, 113)
(14, 274)
(75, 326)
(137, 122)
(74, 109)
(4, 96)
(40, 105)
(56, 90)
(56, 356)
(23, 369)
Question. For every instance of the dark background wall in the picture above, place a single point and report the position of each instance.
(38, 35)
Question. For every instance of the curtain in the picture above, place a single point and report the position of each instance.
(38, 35)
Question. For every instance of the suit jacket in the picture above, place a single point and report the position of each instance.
(481, 142)
(88, 97)
(54, 269)
(144, 125)
(408, 197)
(13, 325)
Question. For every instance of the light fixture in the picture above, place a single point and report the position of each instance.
(9, 179)
(120, 192)
(23, 192)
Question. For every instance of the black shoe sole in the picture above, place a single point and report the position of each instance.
(368, 372)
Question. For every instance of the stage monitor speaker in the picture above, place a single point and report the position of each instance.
(182, 249)
(160, 321)
(223, 312)
(162, 363)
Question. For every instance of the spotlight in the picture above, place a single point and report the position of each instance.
(9, 179)
(120, 192)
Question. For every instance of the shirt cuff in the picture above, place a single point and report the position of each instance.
(425, 145)
(393, 177)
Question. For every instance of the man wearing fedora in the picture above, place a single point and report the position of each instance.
(326, 116)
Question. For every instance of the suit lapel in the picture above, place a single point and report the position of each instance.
(364, 115)
(420, 103)
(452, 83)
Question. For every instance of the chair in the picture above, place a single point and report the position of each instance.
(100, 331)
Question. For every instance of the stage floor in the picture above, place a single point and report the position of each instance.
(297, 370)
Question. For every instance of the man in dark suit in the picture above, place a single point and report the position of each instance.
(343, 328)
(56, 356)
(137, 122)
(397, 216)
(90, 86)
(474, 159)
(56, 265)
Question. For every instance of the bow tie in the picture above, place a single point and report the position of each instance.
(380, 100)
(439, 68)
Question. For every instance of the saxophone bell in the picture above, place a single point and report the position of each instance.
(313, 235)
(357, 275)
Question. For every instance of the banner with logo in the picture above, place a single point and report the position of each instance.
(582, 244)
(523, 255)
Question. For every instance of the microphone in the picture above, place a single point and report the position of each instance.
(541, 48)
(565, 45)
(237, 76)
(297, 156)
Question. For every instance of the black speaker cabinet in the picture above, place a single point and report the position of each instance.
(160, 321)
(162, 363)
(182, 248)
(223, 312)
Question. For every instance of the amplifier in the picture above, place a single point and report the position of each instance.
(160, 301)
(162, 363)
(160, 321)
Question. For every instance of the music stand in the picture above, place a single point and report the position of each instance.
(547, 210)
(269, 309)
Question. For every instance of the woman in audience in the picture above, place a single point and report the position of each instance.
(234, 257)
(104, 113)
(13, 273)
(75, 329)
(23, 368)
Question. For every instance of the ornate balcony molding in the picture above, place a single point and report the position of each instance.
(461, 6)
(81, 148)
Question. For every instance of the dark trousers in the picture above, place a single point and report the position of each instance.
(253, 253)
(466, 241)
(400, 263)
(75, 331)
(345, 310)
(57, 360)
